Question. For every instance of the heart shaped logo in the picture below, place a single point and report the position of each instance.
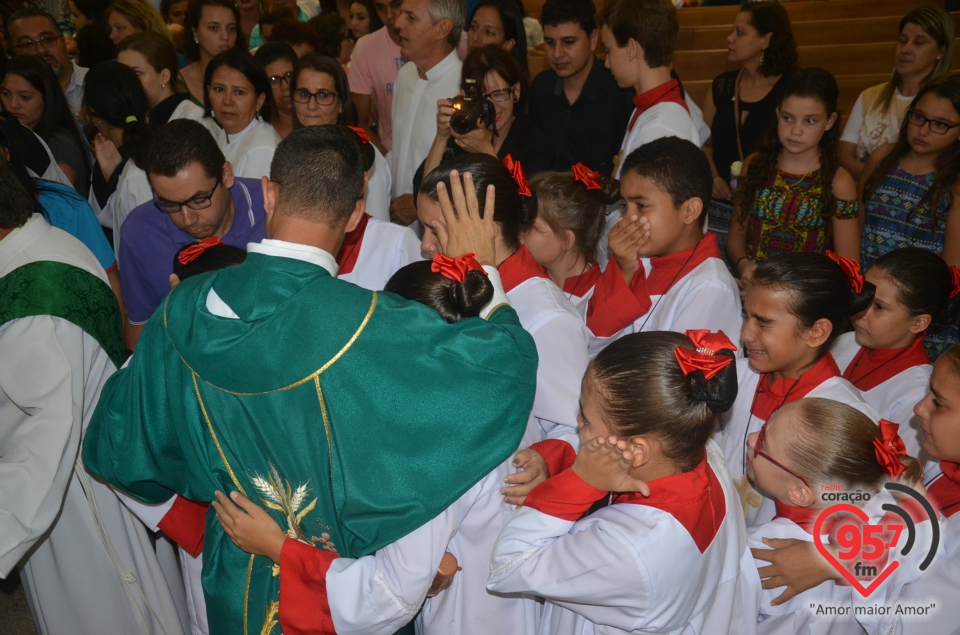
(849, 577)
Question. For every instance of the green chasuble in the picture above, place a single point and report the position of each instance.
(60, 290)
(354, 417)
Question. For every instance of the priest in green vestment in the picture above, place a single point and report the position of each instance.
(353, 416)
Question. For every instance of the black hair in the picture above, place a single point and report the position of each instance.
(25, 14)
(366, 148)
(814, 83)
(330, 66)
(114, 93)
(818, 290)
(923, 281)
(274, 51)
(17, 205)
(56, 112)
(179, 143)
(242, 62)
(583, 12)
(191, 47)
(767, 16)
(320, 172)
(375, 22)
(294, 32)
(514, 213)
(512, 20)
(93, 10)
(677, 166)
(453, 300)
(94, 45)
(643, 391)
(212, 259)
(331, 29)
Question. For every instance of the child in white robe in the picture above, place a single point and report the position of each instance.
(571, 210)
(666, 274)
(665, 555)
(809, 450)
(885, 357)
(795, 306)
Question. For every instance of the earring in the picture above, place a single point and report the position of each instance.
(761, 56)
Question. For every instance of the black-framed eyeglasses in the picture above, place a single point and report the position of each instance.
(276, 80)
(936, 127)
(200, 201)
(30, 46)
(757, 451)
(500, 95)
(323, 97)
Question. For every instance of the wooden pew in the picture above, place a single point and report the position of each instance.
(800, 11)
(839, 59)
(808, 33)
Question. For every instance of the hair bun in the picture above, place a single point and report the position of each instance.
(860, 301)
(719, 392)
(470, 296)
(528, 212)
(611, 190)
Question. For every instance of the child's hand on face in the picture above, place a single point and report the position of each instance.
(534, 471)
(249, 526)
(626, 239)
(605, 464)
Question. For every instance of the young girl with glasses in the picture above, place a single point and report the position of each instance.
(795, 307)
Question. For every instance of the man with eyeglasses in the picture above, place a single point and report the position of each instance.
(196, 196)
(32, 31)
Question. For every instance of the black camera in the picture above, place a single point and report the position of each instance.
(470, 109)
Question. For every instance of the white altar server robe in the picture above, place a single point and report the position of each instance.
(250, 151)
(373, 252)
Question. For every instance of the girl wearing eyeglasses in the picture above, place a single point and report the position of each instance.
(501, 82)
(795, 307)
(810, 455)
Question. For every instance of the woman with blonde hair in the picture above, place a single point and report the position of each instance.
(129, 17)
(924, 53)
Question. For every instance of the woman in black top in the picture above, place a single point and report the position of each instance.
(501, 82)
(762, 43)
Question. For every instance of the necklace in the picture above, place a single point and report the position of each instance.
(576, 284)
(669, 286)
(859, 358)
(799, 178)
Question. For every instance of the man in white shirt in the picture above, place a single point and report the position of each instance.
(429, 33)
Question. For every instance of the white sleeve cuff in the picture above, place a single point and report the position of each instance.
(499, 295)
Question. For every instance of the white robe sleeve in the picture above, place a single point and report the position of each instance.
(255, 164)
(378, 191)
(562, 346)
(37, 457)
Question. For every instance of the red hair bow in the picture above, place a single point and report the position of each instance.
(517, 173)
(954, 281)
(456, 268)
(705, 357)
(851, 269)
(587, 176)
(361, 133)
(889, 450)
(193, 252)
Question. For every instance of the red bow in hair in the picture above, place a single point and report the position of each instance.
(361, 133)
(954, 281)
(890, 449)
(587, 176)
(517, 173)
(705, 357)
(851, 269)
(193, 252)
(456, 268)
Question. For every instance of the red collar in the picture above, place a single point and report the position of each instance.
(773, 395)
(803, 517)
(518, 268)
(578, 286)
(350, 249)
(667, 269)
(668, 92)
(872, 367)
(694, 498)
(946, 489)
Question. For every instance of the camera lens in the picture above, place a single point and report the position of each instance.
(464, 120)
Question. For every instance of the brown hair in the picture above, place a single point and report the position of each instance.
(159, 53)
(494, 58)
(292, 32)
(952, 358)
(643, 392)
(565, 204)
(834, 444)
(652, 23)
(140, 14)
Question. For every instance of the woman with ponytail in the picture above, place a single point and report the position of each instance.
(571, 210)
(662, 548)
(115, 103)
(544, 310)
(795, 307)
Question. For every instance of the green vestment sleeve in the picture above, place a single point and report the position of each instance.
(354, 417)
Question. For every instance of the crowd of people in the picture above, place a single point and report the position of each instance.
(343, 323)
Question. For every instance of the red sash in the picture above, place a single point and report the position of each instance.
(773, 395)
(668, 92)
(871, 367)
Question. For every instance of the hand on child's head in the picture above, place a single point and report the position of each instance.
(939, 411)
(605, 463)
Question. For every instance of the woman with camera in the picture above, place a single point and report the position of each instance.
(489, 117)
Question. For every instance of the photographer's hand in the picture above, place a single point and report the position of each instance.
(444, 112)
(478, 140)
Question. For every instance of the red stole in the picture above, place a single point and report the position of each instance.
(694, 498)
(350, 249)
(773, 395)
(667, 270)
(578, 286)
(804, 517)
(871, 367)
(946, 490)
(518, 268)
(668, 92)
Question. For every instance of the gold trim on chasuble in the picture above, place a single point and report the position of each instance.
(271, 618)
